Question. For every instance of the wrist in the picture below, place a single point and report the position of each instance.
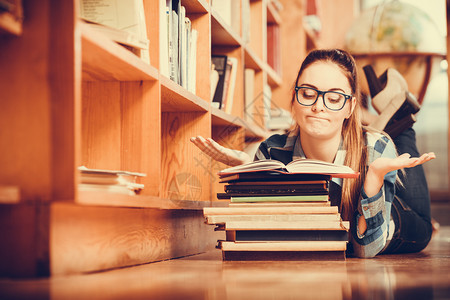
(373, 182)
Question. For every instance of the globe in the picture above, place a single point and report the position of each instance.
(398, 35)
(394, 27)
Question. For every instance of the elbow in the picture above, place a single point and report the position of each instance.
(369, 250)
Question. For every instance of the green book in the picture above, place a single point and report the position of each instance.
(296, 198)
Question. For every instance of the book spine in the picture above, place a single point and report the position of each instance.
(280, 198)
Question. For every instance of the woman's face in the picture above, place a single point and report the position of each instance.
(318, 121)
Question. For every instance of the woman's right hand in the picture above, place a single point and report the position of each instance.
(219, 153)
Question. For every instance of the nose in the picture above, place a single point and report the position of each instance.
(319, 105)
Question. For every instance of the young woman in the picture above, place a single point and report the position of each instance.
(389, 210)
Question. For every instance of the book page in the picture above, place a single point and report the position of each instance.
(317, 166)
(259, 165)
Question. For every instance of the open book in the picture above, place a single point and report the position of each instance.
(298, 166)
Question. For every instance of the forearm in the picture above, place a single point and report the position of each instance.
(372, 185)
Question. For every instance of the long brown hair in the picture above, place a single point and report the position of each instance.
(352, 130)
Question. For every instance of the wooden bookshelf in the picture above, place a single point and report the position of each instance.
(89, 101)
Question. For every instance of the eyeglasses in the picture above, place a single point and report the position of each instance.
(308, 96)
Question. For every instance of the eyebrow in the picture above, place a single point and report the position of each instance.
(330, 90)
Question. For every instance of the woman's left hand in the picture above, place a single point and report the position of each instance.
(383, 165)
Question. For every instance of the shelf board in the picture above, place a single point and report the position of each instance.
(196, 6)
(274, 79)
(104, 59)
(10, 24)
(175, 98)
(221, 33)
(221, 118)
(252, 61)
(100, 198)
(273, 17)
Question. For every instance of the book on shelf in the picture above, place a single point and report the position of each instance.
(273, 47)
(117, 181)
(192, 61)
(178, 45)
(298, 166)
(214, 79)
(174, 71)
(220, 64)
(229, 87)
(227, 68)
(122, 21)
(164, 21)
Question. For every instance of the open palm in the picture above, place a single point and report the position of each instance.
(384, 165)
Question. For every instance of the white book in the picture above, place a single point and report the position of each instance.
(214, 78)
(232, 84)
(183, 48)
(122, 15)
(181, 15)
(175, 47)
(192, 68)
(164, 39)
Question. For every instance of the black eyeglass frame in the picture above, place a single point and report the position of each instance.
(321, 93)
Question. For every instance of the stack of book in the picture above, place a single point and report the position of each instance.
(115, 181)
(276, 214)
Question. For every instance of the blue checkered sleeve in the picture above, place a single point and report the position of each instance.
(376, 209)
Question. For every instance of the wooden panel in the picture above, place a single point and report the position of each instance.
(185, 169)
(256, 28)
(64, 75)
(25, 107)
(86, 239)
(175, 98)
(24, 237)
(141, 133)
(101, 127)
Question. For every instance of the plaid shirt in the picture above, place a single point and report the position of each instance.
(376, 210)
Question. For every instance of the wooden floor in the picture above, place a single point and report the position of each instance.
(425, 275)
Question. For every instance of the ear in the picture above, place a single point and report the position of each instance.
(352, 107)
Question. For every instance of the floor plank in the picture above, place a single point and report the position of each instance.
(425, 275)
